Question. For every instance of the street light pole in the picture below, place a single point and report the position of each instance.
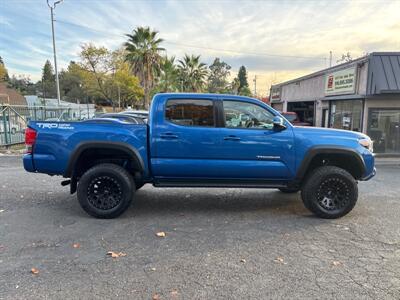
(52, 8)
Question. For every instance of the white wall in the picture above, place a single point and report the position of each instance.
(305, 90)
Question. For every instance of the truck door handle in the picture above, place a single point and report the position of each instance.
(231, 138)
(168, 135)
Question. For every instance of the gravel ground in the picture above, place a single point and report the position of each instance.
(219, 243)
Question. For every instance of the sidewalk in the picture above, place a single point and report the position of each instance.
(387, 161)
(14, 150)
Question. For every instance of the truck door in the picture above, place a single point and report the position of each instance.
(185, 139)
(250, 145)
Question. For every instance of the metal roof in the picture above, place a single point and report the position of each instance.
(384, 73)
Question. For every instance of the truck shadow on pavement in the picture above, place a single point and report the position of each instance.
(155, 201)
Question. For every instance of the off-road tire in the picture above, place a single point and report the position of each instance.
(329, 192)
(289, 190)
(105, 191)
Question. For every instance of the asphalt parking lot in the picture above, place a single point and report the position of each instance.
(219, 244)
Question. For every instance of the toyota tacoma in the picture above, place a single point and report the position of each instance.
(201, 140)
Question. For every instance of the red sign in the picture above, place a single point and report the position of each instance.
(330, 82)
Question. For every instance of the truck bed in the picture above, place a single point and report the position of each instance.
(56, 141)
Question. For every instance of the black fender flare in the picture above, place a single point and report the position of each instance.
(329, 149)
(81, 147)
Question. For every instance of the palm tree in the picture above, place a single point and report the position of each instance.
(168, 77)
(192, 73)
(143, 52)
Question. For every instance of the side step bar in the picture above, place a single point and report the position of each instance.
(220, 183)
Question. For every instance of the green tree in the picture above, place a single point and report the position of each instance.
(167, 80)
(218, 77)
(107, 76)
(192, 73)
(48, 85)
(242, 76)
(23, 84)
(3, 71)
(143, 52)
(129, 91)
(71, 83)
(96, 63)
(240, 84)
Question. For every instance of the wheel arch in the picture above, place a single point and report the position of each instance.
(81, 148)
(346, 158)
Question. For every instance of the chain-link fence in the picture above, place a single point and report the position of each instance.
(14, 119)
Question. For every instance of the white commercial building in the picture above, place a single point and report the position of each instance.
(362, 95)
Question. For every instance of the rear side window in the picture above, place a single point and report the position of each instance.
(189, 112)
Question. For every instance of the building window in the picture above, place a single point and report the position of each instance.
(347, 115)
(189, 112)
(384, 129)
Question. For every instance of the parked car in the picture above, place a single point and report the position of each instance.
(10, 126)
(293, 118)
(125, 117)
(143, 114)
(190, 143)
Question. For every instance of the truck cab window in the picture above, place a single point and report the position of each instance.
(187, 112)
(246, 115)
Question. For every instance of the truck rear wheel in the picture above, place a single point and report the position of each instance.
(330, 192)
(105, 191)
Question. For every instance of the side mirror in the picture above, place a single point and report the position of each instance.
(278, 123)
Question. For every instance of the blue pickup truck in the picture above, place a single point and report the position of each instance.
(201, 140)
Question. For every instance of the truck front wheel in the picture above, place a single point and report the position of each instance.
(330, 192)
(105, 191)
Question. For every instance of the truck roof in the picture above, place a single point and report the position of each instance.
(202, 95)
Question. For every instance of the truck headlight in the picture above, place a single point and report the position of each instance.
(367, 143)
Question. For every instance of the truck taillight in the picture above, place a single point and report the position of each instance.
(30, 138)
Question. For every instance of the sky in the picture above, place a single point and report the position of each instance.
(275, 40)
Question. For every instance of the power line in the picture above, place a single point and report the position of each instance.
(200, 47)
(90, 28)
(248, 53)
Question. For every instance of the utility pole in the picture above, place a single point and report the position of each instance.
(255, 85)
(52, 8)
(330, 59)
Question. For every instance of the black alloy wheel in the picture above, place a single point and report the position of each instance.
(329, 192)
(333, 194)
(105, 191)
